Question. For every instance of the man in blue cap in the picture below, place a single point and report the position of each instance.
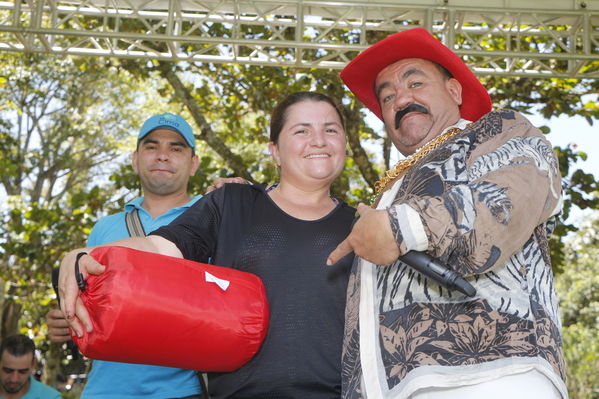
(164, 160)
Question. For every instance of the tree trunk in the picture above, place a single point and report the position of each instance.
(52, 364)
(358, 153)
(11, 313)
(234, 161)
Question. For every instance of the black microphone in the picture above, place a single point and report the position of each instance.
(436, 271)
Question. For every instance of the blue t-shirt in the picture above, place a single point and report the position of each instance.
(37, 390)
(131, 381)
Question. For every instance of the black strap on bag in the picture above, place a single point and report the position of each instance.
(136, 229)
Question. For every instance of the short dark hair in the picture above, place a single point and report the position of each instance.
(279, 114)
(443, 70)
(17, 345)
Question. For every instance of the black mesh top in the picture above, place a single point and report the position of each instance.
(240, 226)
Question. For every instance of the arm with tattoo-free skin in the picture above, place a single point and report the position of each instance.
(71, 305)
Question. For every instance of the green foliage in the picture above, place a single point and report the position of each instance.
(61, 126)
(580, 189)
(578, 289)
(582, 359)
(554, 97)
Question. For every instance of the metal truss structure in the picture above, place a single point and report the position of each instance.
(534, 38)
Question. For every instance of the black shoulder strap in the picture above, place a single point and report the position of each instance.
(203, 384)
(134, 226)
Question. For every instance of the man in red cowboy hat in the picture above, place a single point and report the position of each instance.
(479, 191)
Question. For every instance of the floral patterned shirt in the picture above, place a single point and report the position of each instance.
(484, 203)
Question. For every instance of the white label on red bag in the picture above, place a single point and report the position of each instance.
(223, 284)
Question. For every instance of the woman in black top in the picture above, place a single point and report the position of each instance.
(283, 234)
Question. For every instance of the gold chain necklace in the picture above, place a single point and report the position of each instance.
(403, 165)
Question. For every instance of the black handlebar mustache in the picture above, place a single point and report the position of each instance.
(410, 108)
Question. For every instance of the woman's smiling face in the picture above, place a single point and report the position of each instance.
(311, 145)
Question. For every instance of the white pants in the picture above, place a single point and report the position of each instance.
(529, 385)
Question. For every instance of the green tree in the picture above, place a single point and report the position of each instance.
(578, 289)
(552, 98)
(62, 122)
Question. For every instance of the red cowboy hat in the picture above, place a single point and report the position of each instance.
(360, 74)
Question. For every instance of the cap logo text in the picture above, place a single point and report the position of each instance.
(168, 122)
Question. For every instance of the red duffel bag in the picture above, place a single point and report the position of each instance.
(155, 309)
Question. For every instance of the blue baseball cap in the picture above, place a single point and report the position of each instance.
(171, 122)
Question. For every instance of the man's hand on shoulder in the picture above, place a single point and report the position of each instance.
(371, 239)
(221, 181)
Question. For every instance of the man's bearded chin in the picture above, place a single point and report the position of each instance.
(13, 387)
(410, 108)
